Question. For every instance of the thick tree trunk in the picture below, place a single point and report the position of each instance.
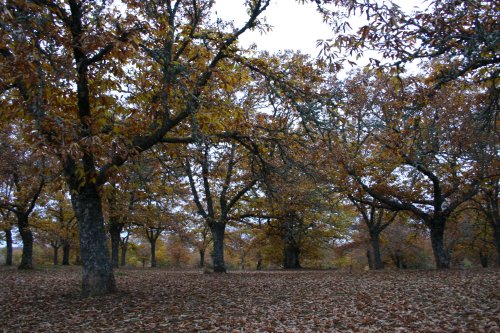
(291, 250)
(483, 259)
(8, 240)
(369, 259)
(123, 247)
(27, 239)
(259, 264)
(441, 257)
(202, 257)
(218, 263)
(375, 242)
(115, 230)
(291, 258)
(98, 275)
(66, 248)
(259, 261)
(152, 242)
(56, 255)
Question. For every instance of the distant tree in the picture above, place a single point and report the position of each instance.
(6, 225)
(220, 176)
(409, 151)
(376, 220)
(487, 202)
(58, 225)
(124, 246)
(120, 201)
(23, 175)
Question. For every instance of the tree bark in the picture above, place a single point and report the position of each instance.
(375, 242)
(259, 261)
(115, 230)
(369, 259)
(218, 230)
(66, 248)
(123, 260)
(441, 257)
(98, 275)
(483, 259)
(56, 255)
(8, 240)
(291, 258)
(202, 257)
(27, 239)
(291, 250)
(152, 242)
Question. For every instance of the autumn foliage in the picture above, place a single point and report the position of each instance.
(137, 136)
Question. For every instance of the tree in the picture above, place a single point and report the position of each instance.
(120, 204)
(124, 246)
(6, 226)
(194, 231)
(59, 222)
(487, 202)
(410, 154)
(72, 57)
(461, 34)
(223, 173)
(376, 220)
(22, 179)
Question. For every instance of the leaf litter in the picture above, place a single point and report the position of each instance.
(154, 300)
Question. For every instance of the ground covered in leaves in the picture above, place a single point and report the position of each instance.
(299, 301)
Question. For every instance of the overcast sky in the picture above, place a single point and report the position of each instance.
(295, 26)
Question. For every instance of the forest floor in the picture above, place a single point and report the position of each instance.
(48, 300)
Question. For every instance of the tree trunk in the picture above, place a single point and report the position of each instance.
(291, 258)
(152, 242)
(115, 230)
(492, 211)
(242, 263)
(369, 259)
(483, 259)
(496, 239)
(218, 230)
(123, 247)
(375, 242)
(202, 257)
(259, 261)
(259, 264)
(397, 259)
(437, 239)
(56, 254)
(66, 248)
(27, 239)
(8, 240)
(98, 275)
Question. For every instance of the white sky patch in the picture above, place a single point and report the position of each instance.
(296, 26)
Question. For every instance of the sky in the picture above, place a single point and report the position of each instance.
(296, 26)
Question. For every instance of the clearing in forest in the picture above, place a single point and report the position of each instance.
(297, 301)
